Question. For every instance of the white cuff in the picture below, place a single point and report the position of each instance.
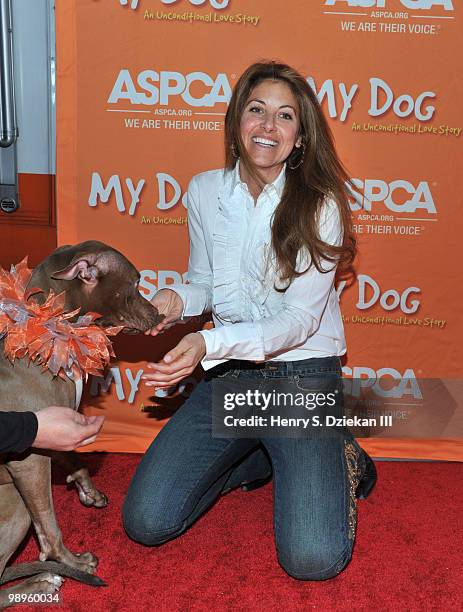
(238, 341)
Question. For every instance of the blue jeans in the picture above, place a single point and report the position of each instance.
(314, 478)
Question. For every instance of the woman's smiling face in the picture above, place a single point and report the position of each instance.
(270, 126)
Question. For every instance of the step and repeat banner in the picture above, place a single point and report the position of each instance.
(143, 87)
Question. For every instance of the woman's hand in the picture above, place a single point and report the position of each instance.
(169, 304)
(177, 363)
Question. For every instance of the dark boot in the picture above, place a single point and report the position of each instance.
(253, 472)
(368, 479)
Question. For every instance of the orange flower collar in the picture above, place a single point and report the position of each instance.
(44, 332)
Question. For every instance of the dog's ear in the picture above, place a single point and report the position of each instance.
(82, 267)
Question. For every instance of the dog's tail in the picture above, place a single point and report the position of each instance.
(30, 569)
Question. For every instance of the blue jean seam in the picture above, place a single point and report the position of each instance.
(346, 493)
(298, 377)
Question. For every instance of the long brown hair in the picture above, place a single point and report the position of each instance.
(313, 173)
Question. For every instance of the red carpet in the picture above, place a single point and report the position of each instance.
(408, 554)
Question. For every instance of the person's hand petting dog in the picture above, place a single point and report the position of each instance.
(64, 429)
(182, 359)
(170, 305)
(177, 363)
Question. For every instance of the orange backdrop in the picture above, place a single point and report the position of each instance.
(143, 87)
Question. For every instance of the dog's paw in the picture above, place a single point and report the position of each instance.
(92, 498)
(44, 583)
(85, 562)
(88, 495)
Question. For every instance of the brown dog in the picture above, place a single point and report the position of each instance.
(99, 279)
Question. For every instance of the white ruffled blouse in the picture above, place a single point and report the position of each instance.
(231, 273)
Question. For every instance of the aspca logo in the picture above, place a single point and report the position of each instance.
(399, 196)
(370, 293)
(149, 87)
(385, 382)
(215, 4)
(152, 280)
(409, 4)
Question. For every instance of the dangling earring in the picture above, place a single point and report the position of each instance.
(301, 159)
(233, 150)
